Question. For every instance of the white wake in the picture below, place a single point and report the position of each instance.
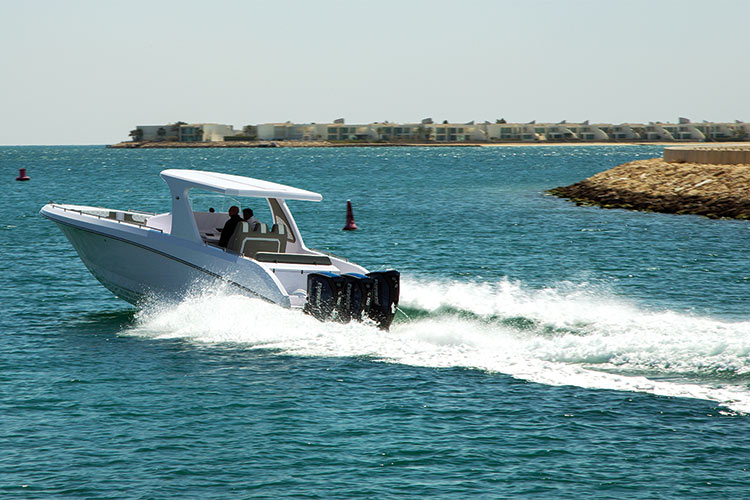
(567, 335)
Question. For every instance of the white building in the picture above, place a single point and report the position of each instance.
(213, 132)
(624, 131)
(673, 132)
(684, 131)
(452, 132)
(158, 132)
(587, 132)
(184, 132)
(286, 131)
(342, 132)
(724, 131)
(517, 132)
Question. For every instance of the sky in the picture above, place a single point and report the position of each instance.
(89, 71)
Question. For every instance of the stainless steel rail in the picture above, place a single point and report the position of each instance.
(110, 216)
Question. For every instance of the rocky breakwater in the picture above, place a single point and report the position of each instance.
(711, 190)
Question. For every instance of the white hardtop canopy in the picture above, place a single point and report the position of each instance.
(180, 180)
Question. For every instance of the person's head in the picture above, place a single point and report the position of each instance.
(211, 210)
(234, 210)
(247, 213)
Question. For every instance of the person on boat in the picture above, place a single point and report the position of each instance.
(247, 216)
(230, 225)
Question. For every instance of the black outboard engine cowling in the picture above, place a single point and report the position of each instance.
(356, 296)
(353, 296)
(324, 293)
(384, 297)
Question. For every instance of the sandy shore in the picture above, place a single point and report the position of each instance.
(686, 188)
(280, 144)
(327, 144)
(613, 143)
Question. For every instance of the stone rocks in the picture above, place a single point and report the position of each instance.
(655, 185)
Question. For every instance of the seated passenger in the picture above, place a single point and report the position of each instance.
(229, 227)
(247, 216)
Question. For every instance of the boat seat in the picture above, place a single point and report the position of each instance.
(279, 231)
(128, 217)
(248, 242)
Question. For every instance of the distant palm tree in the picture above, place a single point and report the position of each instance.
(424, 133)
(136, 135)
(176, 127)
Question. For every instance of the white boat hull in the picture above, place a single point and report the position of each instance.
(134, 268)
(129, 271)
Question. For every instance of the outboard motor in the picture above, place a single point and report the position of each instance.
(356, 296)
(353, 296)
(324, 293)
(384, 297)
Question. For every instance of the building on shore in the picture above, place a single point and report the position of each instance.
(445, 132)
(287, 131)
(505, 132)
(182, 132)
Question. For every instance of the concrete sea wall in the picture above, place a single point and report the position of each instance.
(725, 155)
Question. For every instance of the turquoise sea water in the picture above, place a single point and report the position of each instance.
(545, 350)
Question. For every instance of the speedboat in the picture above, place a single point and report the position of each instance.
(139, 255)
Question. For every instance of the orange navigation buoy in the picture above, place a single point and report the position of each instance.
(22, 175)
(350, 225)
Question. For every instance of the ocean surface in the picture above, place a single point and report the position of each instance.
(542, 351)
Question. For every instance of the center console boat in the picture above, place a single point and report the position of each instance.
(138, 255)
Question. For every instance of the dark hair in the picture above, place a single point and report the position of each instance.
(247, 213)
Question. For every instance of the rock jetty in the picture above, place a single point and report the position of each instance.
(711, 190)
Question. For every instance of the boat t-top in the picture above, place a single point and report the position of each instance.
(139, 255)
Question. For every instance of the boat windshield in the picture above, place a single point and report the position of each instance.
(203, 201)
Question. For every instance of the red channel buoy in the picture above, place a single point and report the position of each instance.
(350, 225)
(22, 175)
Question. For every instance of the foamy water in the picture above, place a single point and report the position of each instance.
(567, 335)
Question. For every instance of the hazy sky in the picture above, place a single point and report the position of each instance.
(87, 72)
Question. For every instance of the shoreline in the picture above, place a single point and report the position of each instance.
(327, 144)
